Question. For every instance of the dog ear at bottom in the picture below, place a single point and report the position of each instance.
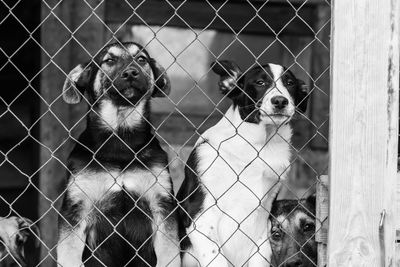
(162, 86)
(75, 83)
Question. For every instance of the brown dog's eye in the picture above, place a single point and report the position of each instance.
(309, 227)
(109, 60)
(276, 234)
(141, 59)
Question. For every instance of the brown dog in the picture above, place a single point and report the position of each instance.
(14, 233)
(293, 233)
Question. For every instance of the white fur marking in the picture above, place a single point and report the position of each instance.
(126, 117)
(133, 50)
(117, 51)
(76, 72)
(71, 245)
(278, 89)
(97, 83)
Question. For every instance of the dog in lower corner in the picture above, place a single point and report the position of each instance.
(119, 201)
(15, 233)
(232, 175)
(293, 233)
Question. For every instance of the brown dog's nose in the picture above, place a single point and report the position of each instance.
(130, 74)
(279, 102)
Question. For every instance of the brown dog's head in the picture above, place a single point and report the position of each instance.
(14, 233)
(118, 84)
(293, 233)
(121, 72)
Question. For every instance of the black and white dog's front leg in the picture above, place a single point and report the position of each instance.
(72, 226)
(262, 252)
(166, 241)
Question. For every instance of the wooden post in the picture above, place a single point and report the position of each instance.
(322, 208)
(52, 133)
(320, 73)
(363, 132)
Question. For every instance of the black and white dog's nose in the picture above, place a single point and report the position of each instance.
(279, 102)
(130, 73)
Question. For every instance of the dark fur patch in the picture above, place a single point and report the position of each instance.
(121, 233)
(190, 198)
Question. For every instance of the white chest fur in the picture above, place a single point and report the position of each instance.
(91, 187)
(244, 154)
(240, 165)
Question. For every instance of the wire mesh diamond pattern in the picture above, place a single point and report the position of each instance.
(111, 181)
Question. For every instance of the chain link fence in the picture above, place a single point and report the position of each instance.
(46, 39)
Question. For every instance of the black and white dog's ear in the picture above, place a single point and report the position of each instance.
(302, 92)
(162, 86)
(229, 73)
(76, 83)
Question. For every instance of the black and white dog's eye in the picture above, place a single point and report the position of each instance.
(289, 83)
(142, 59)
(260, 82)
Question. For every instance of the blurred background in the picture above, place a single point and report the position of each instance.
(41, 41)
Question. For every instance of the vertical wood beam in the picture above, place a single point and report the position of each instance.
(320, 73)
(321, 214)
(89, 33)
(363, 132)
(52, 176)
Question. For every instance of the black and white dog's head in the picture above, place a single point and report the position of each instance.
(122, 76)
(267, 94)
(293, 233)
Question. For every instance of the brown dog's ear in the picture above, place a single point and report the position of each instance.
(301, 97)
(76, 83)
(230, 74)
(26, 226)
(162, 86)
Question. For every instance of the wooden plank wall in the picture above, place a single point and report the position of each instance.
(363, 132)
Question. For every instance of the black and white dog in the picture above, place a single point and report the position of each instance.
(232, 175)
(119, 198)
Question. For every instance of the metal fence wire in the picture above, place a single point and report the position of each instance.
(116, 182)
